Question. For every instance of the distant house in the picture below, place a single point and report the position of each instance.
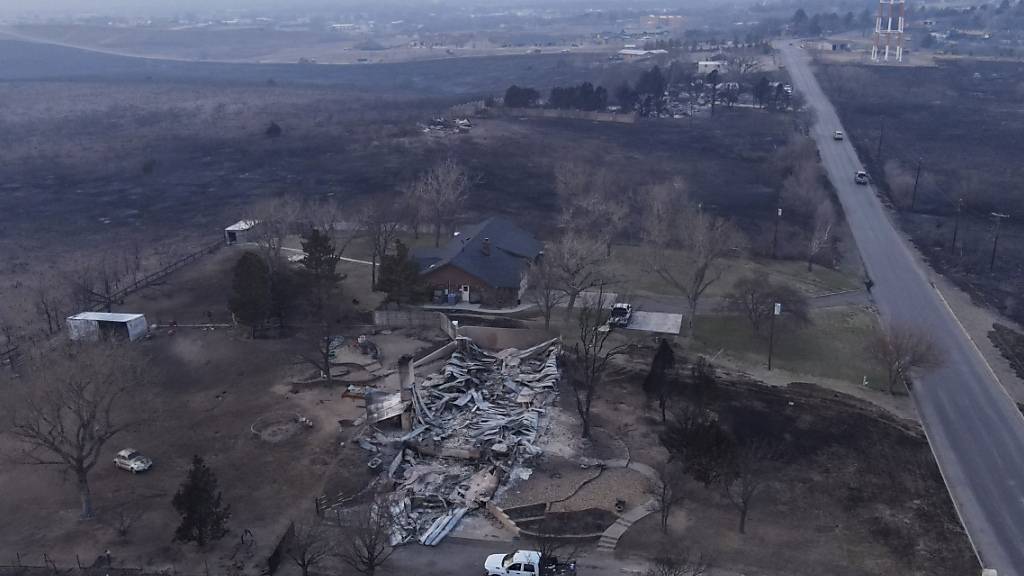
(483, 264)
(636, 54)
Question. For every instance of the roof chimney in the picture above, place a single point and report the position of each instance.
(486, 248)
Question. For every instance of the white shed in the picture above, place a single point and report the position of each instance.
(93, 326)
(239, 231)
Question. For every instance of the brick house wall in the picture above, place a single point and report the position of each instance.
(452, 278)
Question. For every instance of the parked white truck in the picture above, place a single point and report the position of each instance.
(527, 563)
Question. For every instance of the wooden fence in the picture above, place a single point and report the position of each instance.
(154, 277)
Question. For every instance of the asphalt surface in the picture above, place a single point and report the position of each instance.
(975, 431)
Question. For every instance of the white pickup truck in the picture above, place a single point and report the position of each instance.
(527, 563)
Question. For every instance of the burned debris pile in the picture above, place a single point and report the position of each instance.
(465, 430)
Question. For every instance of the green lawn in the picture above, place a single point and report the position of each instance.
(833, 346)
(631, 268)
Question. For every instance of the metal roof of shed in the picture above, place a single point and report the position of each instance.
(105, 316)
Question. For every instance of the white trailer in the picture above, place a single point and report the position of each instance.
(95, 326)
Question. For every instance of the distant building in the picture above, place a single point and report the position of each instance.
(96, 326)
(636, 54)
(827, 46)
(484, 264)
(706, 66)
(239, 232)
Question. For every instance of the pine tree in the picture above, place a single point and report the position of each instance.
(320, 266)
(659, 380)
(250, 297)
(198, 501)
(400, 275)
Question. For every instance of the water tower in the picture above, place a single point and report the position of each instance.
(889, 26)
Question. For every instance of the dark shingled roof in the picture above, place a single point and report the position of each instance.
(512, 249)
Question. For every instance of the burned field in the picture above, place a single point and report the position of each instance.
(162, 164)
(859, 493)
(962, 121)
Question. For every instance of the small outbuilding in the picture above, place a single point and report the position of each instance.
(707, 66)
(95, 326)
(239, 232)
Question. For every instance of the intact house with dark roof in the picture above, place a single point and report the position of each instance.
(485, 264)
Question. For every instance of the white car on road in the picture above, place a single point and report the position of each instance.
(132, 461)
(838, 135)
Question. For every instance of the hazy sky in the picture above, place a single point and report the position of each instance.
(9, 8)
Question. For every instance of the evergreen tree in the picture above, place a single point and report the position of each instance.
(762, 91)
(799, 21)
(516, 97)
(250, 297)
(198, 501)
(400, 275)
(650, 89)
(626, 97)
(658, 383)
(320, 266)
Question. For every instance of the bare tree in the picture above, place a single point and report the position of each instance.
(591, 203)
(543, 288)
(72, 408)
(274, 219)
(51, 304)
(127, 516)
(550, 545)
(577, 264)
(803, 190)
(308, 545)
(745, 64)
(900, 181)
(588, 360)
(334, 219)
(679, 562)
(412, 214)
(755, 297)
(381, 222)
(318, 348)
(699, 242)
(821, 236)
(899, 348)
(751, 466)
(366, 546)
(441, 192)
(667, 491)
(97, 283)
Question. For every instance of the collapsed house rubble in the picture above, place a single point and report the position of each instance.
(465, 430)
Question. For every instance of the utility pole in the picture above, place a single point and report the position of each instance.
(956, 224)
(775, 237)
(881, 138)
(771, 333)
(995, 239)
(917, 178)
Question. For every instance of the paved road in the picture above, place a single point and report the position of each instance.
(974, 428)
